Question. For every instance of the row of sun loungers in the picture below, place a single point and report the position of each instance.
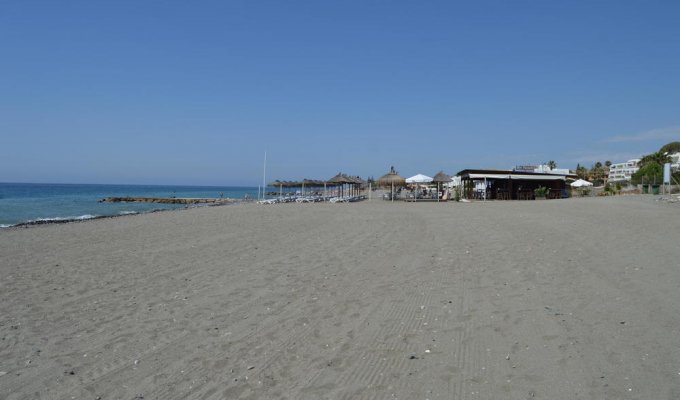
(347, 199)
(313, 199)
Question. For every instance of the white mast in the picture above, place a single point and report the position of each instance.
(264, 173)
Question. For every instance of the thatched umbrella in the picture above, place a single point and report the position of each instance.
(282, 184)
(279, 184)
(339, 180)
(310, 183)
(391, 179)
(354, 182)
(440, 178)
(359, 183)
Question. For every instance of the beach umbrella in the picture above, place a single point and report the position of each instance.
(337, 180)
(359, 183)
(440, 178)
(280, 184)
(354, 182)
(340, 180)
(314, 183)
(391, 180)
(288, 184)
(419, 178)
(310, 183)
(580, 183)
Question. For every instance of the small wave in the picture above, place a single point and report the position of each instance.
(5, 226)
(57, 219)
(128, 213)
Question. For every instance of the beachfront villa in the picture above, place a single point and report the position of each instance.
(675, 161)
(623, 172)
(483, 184)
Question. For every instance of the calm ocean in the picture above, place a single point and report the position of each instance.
(28, 202)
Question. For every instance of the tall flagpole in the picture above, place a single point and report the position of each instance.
(264, 173)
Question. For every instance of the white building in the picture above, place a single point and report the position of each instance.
(544, 169)
(620, 172)
(541, 169)
(675, 161)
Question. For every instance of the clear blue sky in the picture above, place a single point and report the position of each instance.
(194, 92)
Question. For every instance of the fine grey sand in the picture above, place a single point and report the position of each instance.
(563, 299)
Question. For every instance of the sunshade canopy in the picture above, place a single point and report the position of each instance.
(420, 178)
(581, 183)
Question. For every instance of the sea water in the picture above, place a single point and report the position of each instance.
(31, 202)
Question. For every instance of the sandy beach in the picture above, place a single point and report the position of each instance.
(560, 299)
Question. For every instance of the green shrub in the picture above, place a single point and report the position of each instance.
(541, 191)
(456, 193)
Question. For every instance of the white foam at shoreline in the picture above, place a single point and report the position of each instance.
(55, 219)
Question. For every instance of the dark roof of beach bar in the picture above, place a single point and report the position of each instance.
(508, 174)
(511, 185)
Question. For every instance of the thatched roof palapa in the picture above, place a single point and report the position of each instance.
(391, 179)
(358, 180)
(288, 184)
(312, 182)
(340, 179)
(305, 182)
(279, 183)
(441, 177)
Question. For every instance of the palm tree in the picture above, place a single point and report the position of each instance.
(656, 158)
(670, 148)
(581, 171)
(605, 170)
(551, 164)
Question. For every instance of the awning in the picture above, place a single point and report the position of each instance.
(581, 183)
(518, 177)
(420, 178)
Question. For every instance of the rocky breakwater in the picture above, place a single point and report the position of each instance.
(165, 200)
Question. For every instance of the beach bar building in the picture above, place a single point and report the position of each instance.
(482, 184)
